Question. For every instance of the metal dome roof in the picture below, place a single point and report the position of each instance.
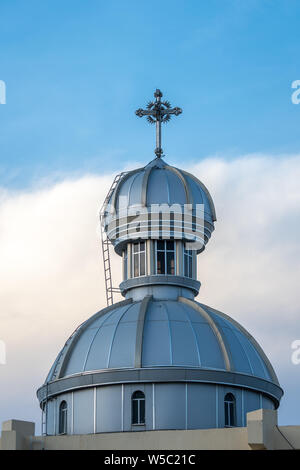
(160, 183)
(155, 184)
(161, 333)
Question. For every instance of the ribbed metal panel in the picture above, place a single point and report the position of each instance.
(156, 184)
(161, 333)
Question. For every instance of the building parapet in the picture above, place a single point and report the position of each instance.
(262, 432)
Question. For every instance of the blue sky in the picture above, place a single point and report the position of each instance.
(75, 71)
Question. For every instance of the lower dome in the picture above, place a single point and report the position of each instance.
(161, 333)
(190, 364)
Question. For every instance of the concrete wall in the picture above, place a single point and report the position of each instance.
(234, 438)
(261, 432)
(16, 434)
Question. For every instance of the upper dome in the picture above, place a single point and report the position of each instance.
(155, 184)
(164, 333)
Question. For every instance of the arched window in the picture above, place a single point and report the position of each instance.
(138, 407)
(63, 410)
(230, 411)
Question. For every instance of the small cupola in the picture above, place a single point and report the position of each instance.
(158, 218)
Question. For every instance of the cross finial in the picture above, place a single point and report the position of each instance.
(157, 112)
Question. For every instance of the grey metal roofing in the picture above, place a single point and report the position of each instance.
(158, 188)
(161, 333)
(160, 183)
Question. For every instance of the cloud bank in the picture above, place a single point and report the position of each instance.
(51, 268)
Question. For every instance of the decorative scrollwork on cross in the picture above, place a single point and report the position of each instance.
(157, 112)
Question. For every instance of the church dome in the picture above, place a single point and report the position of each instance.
(157, 183)
(158, 359)
(164, 334)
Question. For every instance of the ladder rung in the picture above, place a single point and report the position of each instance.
(106, 243)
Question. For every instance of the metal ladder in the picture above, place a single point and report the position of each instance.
(44, 419)
(106, 244)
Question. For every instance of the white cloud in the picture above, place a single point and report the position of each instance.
(51, 268)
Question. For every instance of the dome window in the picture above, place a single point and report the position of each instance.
(188, 263)
(138, 407)
(63, 410)
(125, 264)
(230, 410)
(139, 259)
(165, 257)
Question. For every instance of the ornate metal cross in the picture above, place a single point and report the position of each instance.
(158, 111)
